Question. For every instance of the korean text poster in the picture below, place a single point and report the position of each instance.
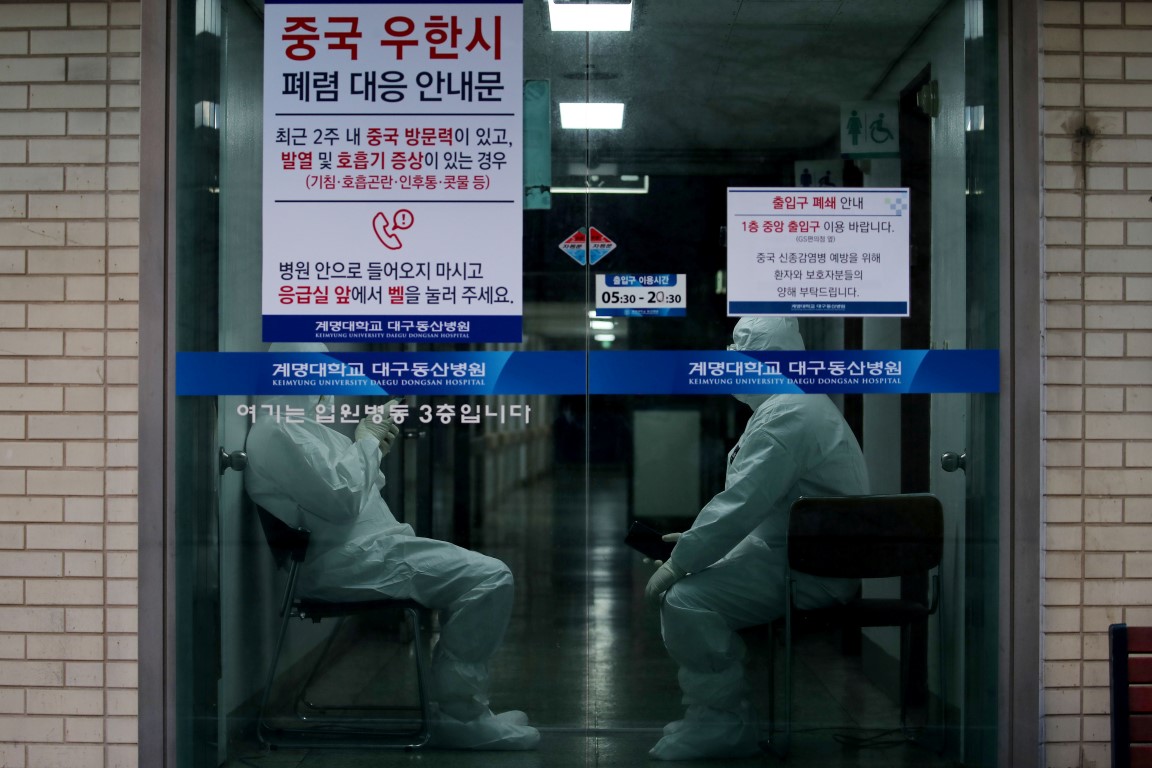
(814, 252)
(392, 172)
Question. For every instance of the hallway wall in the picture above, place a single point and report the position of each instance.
(1097, 123)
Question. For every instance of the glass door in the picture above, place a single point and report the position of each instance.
(817, 105)
(636, 264)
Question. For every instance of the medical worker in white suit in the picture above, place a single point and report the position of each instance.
(727, 571)
(309, 474)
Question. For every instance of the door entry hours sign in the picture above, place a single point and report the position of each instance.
(811, 253)
(642, 295)
(393, 171)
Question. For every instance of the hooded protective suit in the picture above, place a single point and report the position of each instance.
(793, 445)
(308, 474)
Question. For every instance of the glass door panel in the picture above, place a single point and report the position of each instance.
(761, 95)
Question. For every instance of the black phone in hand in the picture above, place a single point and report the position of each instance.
(647, 541)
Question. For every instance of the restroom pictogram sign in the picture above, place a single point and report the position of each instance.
(588, 247)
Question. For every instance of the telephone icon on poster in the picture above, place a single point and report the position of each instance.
(386, 231)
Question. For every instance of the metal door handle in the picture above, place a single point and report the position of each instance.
(236, 460)
(951, 461)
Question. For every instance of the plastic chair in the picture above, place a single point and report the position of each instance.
(1130, 680)
(861, 537)
(289, 547)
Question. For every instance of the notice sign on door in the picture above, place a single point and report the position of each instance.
(393, 171)
(642, 295)
(803, 253)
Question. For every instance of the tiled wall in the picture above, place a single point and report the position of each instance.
(1097, 121)
(69, 149)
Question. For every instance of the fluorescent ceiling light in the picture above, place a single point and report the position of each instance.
(640, 188)
(601, 325)
(590, 17)
(604, 337)
(591, 116)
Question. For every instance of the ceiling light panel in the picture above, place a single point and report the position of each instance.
(590, 17)
(580, 115)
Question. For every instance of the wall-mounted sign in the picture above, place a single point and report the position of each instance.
(393, 178)
(870, 129)
(641, 295)
(804, 252)
(819, 173)
(587, 247)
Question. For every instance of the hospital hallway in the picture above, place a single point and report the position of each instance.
(584, 659)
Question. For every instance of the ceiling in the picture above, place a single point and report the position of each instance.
(706, 78)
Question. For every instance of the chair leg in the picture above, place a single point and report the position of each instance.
(421, 677)
(262, 729)
(786, 741)
(780, 739)
(905, 673)
(941, 728)
(771, 680)
(302, 692)
(350, 732)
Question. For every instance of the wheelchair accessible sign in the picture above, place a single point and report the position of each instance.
(870, 129)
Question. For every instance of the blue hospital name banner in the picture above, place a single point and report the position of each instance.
(715, 373)
(597, 373)
(393, 171)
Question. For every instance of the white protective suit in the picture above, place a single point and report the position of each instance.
(734, 557)
(309, 474)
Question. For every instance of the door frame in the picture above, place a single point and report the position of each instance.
(1021, 386)
(1019, 661)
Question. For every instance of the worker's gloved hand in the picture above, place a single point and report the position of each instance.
(671, 538)
(666, 575)
(384, 431)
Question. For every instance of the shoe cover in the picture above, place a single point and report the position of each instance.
(505, 731)
(707, 733)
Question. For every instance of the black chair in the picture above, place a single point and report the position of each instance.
(862, 537)
(318, 727)
(1130, 682)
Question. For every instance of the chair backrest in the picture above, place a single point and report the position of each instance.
(288, 544)
(865, 536)
(1130, 679)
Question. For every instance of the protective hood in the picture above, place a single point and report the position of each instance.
(765, 334)
(306, 403)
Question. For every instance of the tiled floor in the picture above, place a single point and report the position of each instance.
(583, 657)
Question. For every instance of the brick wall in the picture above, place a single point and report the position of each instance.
(68, 315)
(69, 148)
(1097, 122)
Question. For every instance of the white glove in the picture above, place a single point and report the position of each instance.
(669, 537)
(383, 430)
(665, 576)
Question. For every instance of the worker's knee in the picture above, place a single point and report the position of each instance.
(494, 578)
